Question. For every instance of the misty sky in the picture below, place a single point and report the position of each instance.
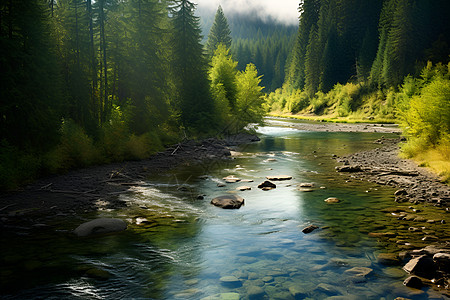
(282, 10)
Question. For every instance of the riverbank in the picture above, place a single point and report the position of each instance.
(422, 237)
(86, 190)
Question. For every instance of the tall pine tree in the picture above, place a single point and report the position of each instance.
(190, 68)
(219, 34)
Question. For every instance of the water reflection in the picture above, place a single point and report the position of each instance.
(178, 246)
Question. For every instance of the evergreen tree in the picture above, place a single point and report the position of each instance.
(309, 16)
(190, 68)
(30, 98)
(219, 34)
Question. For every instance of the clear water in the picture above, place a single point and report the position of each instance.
(184, 246)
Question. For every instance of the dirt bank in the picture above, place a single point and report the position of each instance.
(82, 191)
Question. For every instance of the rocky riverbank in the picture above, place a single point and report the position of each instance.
(423, 236)
(83, 191)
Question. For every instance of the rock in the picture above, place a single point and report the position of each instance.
(332, 200)
(401, 192)
(230, 281)
(267, 279)
(442, 261)
(359, 271)
(267, 185)
(390, 259)
(306, 190)
(297, 293)
(228, 201)
(243, 188)
(309, 229)
(327, 289)
(271, 159)
(255, 292)
(413, 282)
(350, 169)
(279, 177)
(100, 226)
(306, 185)
(231, 179)
(422, 266)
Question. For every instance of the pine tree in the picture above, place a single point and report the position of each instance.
(190, 68)
(219, 34)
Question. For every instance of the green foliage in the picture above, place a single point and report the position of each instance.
(428, 116)
(219, 34)
(223, 72)
(76, 149)
(249, 106)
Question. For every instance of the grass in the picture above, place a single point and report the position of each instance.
(333, 118)
(436, 162)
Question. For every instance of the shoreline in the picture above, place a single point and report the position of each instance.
(84, 190)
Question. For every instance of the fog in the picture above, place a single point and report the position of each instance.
(284, 11)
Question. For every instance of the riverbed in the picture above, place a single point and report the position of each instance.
(179, 246)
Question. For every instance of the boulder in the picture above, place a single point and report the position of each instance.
(332, 200)
(267, 185)
(228, 201)
(413, 282)
(309, 229)
(100, 226)
(442, 261)
(422, 266)
(279, 177)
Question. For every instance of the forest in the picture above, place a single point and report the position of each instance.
(380, 61)
(86, 82)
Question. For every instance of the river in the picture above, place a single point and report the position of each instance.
(179, 246)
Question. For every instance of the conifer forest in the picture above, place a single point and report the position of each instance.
(86, 82)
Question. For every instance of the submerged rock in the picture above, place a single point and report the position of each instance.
(230, 281)
(309, 229)
(349, 169)
(390, 259)
(100, 226)
(332, 200)
(228, 201)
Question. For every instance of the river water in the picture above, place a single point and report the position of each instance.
(179, 246)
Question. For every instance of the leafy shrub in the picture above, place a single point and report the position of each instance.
(140, 147)
(76, 149)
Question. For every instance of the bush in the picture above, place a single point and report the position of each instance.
(76, 149)
(140, 147)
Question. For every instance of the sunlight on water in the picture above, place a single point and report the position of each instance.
(179, 246)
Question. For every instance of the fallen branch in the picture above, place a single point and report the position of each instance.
(5, 207)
